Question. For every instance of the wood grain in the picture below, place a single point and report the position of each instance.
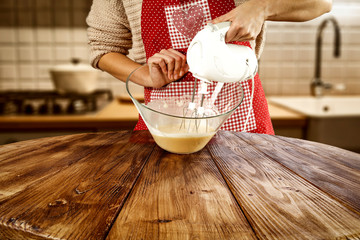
(69, 187)
(334, 170)
(33, 163)
(181, 197)
(278, 203)
(119, 185)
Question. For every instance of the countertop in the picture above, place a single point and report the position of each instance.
(120, 185)
(118, 115)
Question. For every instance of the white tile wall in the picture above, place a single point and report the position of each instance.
(7, 53)
(63, 35)
(286, 66)
(44, 53)
(44, 35)
(7, 35)
(8, 71)
(27, 54)
(25, 35)
(288, 62)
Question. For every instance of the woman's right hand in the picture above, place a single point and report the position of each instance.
(166, 66)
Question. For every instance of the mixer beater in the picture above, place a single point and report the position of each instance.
(200, 107)
(192, 111)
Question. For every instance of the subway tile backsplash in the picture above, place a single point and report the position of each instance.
(38, 34)
(287, 64)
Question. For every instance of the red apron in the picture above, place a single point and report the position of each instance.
(172, 24)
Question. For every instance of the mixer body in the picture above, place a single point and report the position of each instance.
(211, 59)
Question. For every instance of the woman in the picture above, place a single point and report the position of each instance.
(159, 32)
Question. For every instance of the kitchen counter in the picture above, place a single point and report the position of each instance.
(118, 115)
(120, 185)
(281, 116)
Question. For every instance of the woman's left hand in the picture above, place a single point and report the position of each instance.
(166, 66)
(246, 21)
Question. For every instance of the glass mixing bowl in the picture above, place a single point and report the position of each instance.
(180, 119)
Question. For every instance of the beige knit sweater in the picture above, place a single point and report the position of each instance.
(115, 26)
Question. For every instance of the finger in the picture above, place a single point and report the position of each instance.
(237, 33)
(158, 60)
(231, 34)
(170, 62)
(222, 18)
(177, 59)
(162, 65)
(244, 36)
(179, 54)
(180, 62)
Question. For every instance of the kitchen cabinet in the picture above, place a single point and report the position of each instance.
(287, 123)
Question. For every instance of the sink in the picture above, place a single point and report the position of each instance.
(330, 106)
(333, 120)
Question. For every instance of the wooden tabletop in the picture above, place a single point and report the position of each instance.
(120, 185)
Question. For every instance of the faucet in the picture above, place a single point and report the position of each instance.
(317, 86)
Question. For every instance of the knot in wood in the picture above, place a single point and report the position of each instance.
(58, 202)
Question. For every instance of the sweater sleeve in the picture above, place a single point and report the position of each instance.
(108, 29)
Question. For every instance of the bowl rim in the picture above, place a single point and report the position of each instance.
(176, 116)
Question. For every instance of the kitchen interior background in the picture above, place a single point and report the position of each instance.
(38, 34)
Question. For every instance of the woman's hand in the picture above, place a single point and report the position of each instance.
(248, 18)
(166, 66)
(246, 21)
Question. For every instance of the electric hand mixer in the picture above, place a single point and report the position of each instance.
(212, 60)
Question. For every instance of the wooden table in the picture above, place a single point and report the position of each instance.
(120, 185)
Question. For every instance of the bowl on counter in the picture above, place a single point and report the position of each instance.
(75, 77)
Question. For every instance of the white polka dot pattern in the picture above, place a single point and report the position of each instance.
(185, 20)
